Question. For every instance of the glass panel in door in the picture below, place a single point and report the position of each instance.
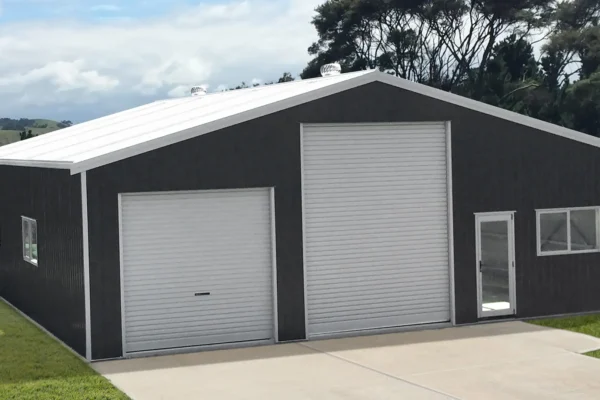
(495, 268)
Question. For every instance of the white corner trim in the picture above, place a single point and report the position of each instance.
(40, 327)
(450, 221)
(274, 265)
(303, 199)
(122, 278)
(86, 268)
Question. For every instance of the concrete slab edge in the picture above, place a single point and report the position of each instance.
(307, 345)
(589, 351)
(567, 316)
(46, 331)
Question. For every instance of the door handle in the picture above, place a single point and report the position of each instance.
(202, 294)
(480, 266)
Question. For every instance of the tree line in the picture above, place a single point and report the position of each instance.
(23, 125)
(536, 57)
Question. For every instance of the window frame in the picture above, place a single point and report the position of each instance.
(27, 255)
(540, 212)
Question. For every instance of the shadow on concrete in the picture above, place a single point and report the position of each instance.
(405, 338)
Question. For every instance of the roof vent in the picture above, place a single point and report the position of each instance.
(198, 91)
(331, 69)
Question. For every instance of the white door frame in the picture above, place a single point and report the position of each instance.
(201, 347)
(509, 217)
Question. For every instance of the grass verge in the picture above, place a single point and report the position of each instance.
(586, 324)
(35, 366)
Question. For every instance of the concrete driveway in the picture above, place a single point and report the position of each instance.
(512, 360)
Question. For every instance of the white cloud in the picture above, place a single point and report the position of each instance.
(256, 81)
(179, 91)
(128, 64)
(175, 71)
(217, 13)
(105, 8)
(64, 76)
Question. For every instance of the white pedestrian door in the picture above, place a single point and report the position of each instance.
(197, 269)
(495, 241)
(376, 226)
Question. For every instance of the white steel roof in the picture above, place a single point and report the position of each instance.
(138, 130)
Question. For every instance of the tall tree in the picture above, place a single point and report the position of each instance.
(26, 135)
(64, 124)
(571, 62)
(483, 49)
(437, 42)
(286, 77)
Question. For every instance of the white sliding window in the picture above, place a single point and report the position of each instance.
(568, 231)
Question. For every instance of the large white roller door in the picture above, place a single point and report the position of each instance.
(376, 226)
(197, 269)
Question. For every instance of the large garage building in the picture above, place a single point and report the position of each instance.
(342, 205)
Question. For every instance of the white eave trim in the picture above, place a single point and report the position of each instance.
(39, 164)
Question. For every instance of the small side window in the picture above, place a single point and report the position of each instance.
(30, 243)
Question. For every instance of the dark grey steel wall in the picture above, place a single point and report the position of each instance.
(502, 166)
(497, 165)
(52, 292)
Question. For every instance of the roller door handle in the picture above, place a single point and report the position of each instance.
(202, 294)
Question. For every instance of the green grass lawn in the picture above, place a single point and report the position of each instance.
(51, 124)
(587, 324)
(7, 137)
(34, 366)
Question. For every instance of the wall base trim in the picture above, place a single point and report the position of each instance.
(194, 349)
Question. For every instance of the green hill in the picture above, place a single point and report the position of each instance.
(10, 128)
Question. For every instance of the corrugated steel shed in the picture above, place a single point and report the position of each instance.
(145, 128)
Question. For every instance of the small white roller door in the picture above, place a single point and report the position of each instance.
(376, 226)
(197, 269)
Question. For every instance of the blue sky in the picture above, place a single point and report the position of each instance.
(82, 59)
(91, 10)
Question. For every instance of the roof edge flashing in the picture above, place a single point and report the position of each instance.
(83, 165)
(355, 80)
(37, 163)
(488, 109)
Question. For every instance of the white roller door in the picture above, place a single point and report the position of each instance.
(197, 269)
(376, 226)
